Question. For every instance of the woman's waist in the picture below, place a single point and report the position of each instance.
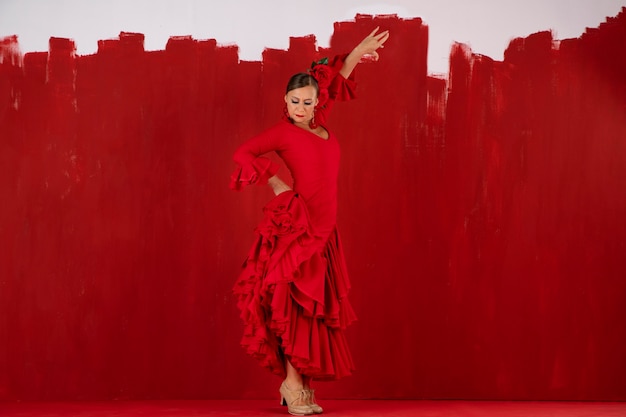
(322, 211)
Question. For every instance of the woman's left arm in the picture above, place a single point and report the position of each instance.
(367, 46)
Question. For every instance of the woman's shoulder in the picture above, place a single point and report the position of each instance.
(276, 130)
(280, 127)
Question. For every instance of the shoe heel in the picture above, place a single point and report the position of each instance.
(299, 397)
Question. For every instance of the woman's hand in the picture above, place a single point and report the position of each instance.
(367, 48)
(371, 43)
(278, 185)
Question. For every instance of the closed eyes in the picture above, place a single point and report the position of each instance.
(306, 102)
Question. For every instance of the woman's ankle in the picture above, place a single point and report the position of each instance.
(294, 384)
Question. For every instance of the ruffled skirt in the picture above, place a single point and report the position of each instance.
(292, 293)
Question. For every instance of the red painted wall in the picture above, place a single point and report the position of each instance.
(483, 217)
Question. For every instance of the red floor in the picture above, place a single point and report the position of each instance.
(336, 408)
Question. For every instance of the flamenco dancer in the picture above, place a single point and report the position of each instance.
(292, 291)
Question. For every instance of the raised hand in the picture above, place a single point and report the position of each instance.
(368, 46)
(366, 50)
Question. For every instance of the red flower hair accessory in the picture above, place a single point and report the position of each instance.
(323, 74)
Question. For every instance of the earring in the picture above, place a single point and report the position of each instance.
(286, 113)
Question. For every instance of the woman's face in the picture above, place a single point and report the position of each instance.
(301, 103)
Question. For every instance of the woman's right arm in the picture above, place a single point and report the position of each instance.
(253, 167)
(278, 185)
(255, 147)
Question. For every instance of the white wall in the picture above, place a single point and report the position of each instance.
(486, 25)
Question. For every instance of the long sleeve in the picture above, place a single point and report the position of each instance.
(340, 89)
(252, 168)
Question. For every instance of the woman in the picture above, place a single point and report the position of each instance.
(292, 291)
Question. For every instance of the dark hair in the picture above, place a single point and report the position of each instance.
(302, 79)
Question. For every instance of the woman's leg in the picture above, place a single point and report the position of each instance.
(292, 390)
(306, 382)
(293, 380)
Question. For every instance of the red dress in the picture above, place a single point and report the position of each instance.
(292, 291)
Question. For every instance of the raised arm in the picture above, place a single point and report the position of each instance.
(367, 47)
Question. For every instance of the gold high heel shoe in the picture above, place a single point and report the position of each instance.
(316, 408)
(295, 400)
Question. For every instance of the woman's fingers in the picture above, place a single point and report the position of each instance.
(379, 38)
(374, 31)
(382, 37)
(381, 34)
(374, 41)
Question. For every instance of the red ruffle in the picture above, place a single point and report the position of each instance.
(257, 171)
(341, 89)
(292, 294)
